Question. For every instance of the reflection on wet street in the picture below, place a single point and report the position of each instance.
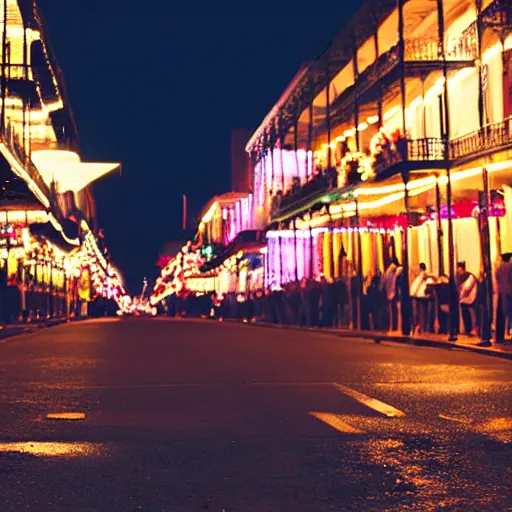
(193, 416)
(53, 449)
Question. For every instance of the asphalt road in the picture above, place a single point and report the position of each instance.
(204, 416)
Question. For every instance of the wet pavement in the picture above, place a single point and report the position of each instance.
(162, 415)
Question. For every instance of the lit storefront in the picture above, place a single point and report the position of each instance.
(398, 148)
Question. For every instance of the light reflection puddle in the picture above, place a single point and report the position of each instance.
(53, 449)
(66, 416)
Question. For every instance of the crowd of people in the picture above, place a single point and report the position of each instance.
(373, 304)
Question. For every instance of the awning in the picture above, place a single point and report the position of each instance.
(48, 231)
(246, 241)
(66, 169)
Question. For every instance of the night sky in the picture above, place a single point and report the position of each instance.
(161, 91)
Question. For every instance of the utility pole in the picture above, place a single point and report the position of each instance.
(184, 225)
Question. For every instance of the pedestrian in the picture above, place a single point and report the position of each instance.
(504, 285)
(420, 300)
(467, 286)
(388, 285)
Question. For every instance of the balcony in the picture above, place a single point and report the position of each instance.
(426, 153)
(462, 49)
(392, 156)
(18, 158)
(489, 138)
(305, 196)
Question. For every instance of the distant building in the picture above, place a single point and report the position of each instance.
(241, 172)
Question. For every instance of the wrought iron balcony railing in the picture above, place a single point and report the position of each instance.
(430, 152)
(464, 48)
(13, 143)
(489, 137)
(426, 150)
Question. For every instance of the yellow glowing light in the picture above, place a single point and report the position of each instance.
(391, 112)
(349, 133)
(52, 449)
(372, 119)
(67, 170)
(416, 102)
(491, 52)
(209, 214)
(340, 138)
(22, 173)
(69, 416)
(362, 126)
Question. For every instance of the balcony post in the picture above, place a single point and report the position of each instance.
(296, 146)
(480, 32)
(356, 102)
(281, 136)
(311, 248)
(331, 243)
(486, 310)
(272, 165)
(280, 242)
(4, 71)
(406, 305)
(440, 263)
(328, 115)
(359, 267)
(310, 141)
(401, 50)
(453, 317)
(295, 249)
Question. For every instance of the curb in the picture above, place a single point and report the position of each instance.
(378, 337)
(18, 330)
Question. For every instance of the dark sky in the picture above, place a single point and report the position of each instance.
(160, 91)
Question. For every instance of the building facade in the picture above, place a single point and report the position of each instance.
(52, 260)
(394, 144)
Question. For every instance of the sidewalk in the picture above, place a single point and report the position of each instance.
(8, 331)
(427, 340)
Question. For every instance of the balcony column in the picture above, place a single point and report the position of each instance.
(280, 241)
(423, 77)
(309, 154)
(406, 305)
(328, 116)
(453, 317)
(401, 50)
(296, 147)
(3, 85)
(480, 32)
(331, 244)
(359, 267)
(440, 263)
(311, 246)
(281, 136)
(356, 102)
(272, 165)
(295, 249)
(486, 310)
(453, 299)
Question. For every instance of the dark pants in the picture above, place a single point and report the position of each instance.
(467, 317)
(421, 314)
(393, 314)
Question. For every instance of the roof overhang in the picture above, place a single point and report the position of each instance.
(66, 169)
(269, 118)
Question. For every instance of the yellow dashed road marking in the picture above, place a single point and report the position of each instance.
(334, 421)
(372, 403)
